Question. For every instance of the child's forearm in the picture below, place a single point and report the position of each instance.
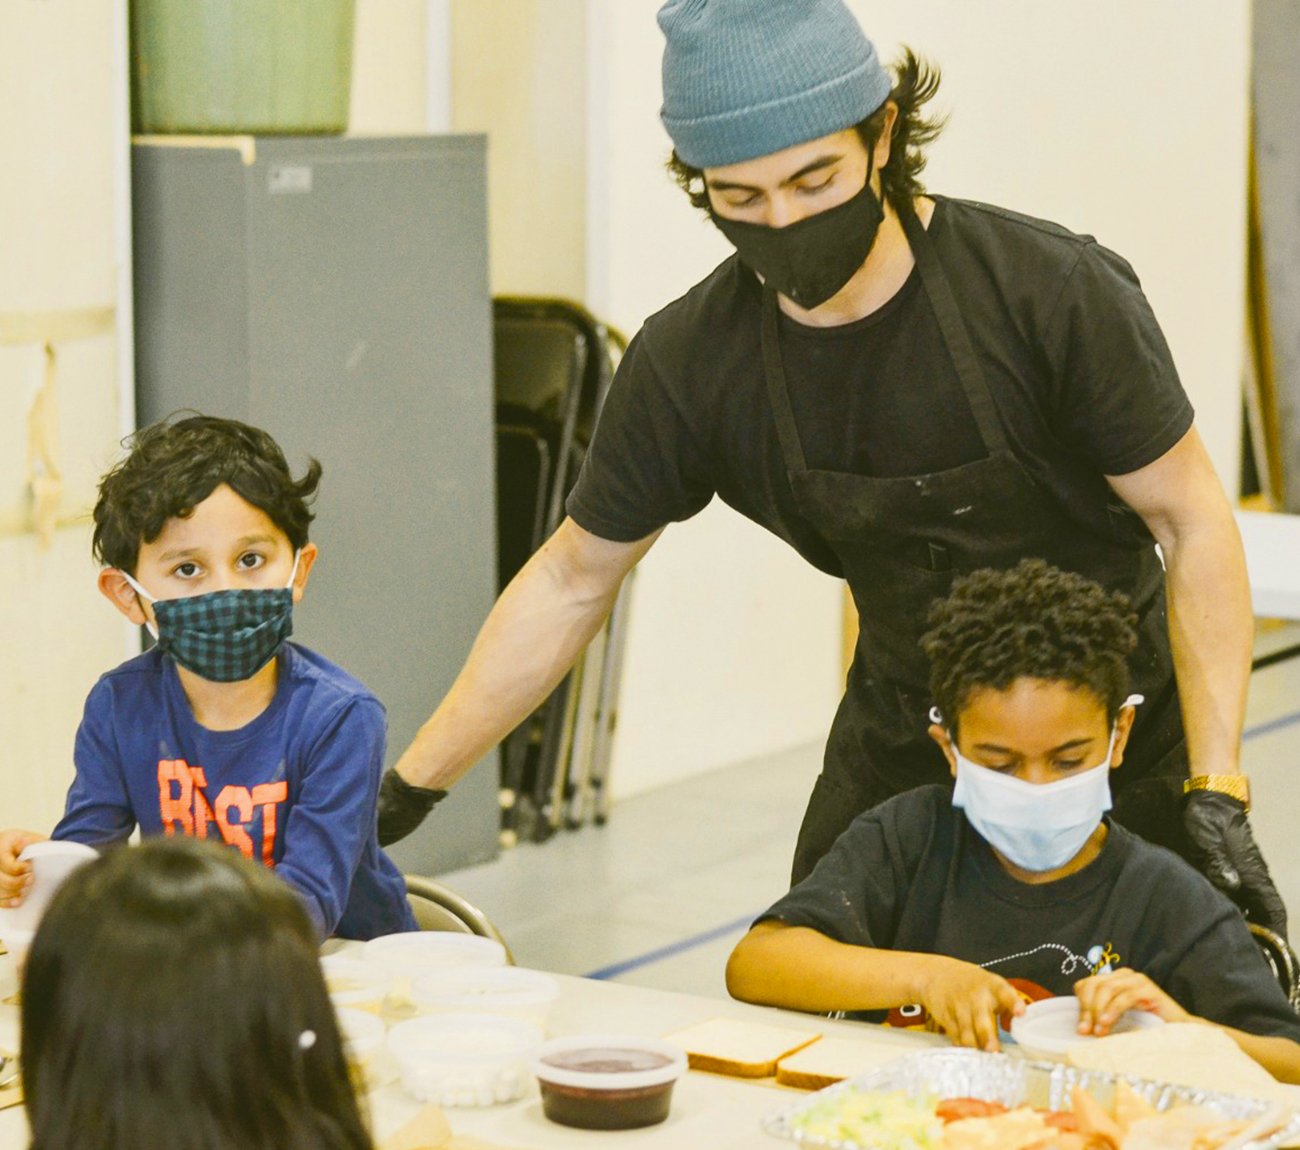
(1279, 1056)
(802, 969)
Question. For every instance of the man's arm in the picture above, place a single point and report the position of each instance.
(1210, 623)
(541, 624)
(1210, 633)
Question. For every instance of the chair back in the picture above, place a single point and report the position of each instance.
(1281, 959)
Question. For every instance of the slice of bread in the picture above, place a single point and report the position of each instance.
(831, 1060)
(741, 1049)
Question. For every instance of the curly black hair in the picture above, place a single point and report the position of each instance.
(1033, 621)
(915, 82)
(172, 467)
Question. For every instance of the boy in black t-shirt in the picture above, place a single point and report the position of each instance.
(961, 905)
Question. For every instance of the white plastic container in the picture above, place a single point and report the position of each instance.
(504, 991)
(414, 953)
(363, 1037)
(1050, 1027)
(355, 983)
(465, 1059)
(52, 861)
(409, 955)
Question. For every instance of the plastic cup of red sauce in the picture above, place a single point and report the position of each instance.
(607, 1081)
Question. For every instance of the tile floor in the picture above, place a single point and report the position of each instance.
(660, 894)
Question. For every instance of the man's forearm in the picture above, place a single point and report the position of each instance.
(538, 628)
(1211, 630)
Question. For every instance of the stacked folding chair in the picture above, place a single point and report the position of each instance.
(553, 363)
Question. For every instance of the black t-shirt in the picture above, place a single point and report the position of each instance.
(1081, 376)
(912, 875)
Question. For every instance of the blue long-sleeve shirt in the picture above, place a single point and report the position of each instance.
(295, 789)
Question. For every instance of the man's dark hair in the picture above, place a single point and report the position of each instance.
(915, 83)
(173, 997)
(173, 467)
(1033, 621)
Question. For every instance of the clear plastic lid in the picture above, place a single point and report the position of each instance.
(592, 1061)
(1051, 1025)
(415, 952)
(352, 980)
(490, 987)
(362, 1031)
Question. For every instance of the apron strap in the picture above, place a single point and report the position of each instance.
(955, 336)
(778, 393)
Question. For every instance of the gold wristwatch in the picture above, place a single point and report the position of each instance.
(1237, 786)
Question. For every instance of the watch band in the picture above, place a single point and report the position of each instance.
(1237, 786)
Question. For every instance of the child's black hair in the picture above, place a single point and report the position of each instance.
(172, 467)
(1033, 621)
(173, 997)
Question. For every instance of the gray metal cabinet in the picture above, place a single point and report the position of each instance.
(334, 291)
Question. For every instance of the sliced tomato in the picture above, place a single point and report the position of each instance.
(951, 1109)
(1060, 1120)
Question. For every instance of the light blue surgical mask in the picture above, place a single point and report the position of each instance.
(1037, 826)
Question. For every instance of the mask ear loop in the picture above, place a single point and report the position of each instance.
(294, 573)
(150, 626)
(1133, 701)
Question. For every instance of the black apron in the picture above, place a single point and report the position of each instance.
(901, 542)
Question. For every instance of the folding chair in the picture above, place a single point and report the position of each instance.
(1282, 961)
(554, 363)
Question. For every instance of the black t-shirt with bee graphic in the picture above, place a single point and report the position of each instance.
(912, 874)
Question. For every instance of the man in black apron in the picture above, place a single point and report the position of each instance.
(904, 388)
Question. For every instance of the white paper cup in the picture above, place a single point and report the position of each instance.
(52, 861)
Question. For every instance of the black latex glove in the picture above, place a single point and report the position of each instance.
(403, 806)
(1230, 858)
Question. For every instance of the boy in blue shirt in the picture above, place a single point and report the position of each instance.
(955, 906)
(224, 729)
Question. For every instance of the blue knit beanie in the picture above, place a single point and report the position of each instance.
(746, 78)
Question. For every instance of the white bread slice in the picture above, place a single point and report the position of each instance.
(831, 1060)
(741, 1049)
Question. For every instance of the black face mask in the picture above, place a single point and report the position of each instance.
(809, 261)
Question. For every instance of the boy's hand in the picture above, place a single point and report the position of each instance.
(1104, 997)
(966, 1002)
(15, 877)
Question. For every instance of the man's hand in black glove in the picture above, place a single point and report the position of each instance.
(1230, 858)
(403, 806)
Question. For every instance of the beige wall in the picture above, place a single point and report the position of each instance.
(388, 80)
(733, 650)
(62, 145)
(58, 281)
(519, 74)
(1115, 119)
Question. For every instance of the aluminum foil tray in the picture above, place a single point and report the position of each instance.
(1013, 1081)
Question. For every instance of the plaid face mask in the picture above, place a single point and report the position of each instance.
(224, 636)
